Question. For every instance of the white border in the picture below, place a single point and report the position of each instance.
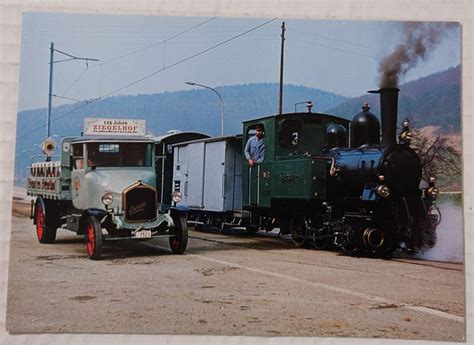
(10, 21)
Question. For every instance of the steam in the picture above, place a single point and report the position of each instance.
(419, 40)
(450, 236)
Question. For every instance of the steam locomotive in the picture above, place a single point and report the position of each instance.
(325, 180)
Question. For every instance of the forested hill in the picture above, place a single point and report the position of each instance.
(433, 100)
(196, 109)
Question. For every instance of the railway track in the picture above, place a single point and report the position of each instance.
(278, 241)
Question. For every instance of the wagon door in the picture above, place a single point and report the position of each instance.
(214, 176)
(195, 175)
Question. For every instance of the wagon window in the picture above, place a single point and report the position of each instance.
(78, 156)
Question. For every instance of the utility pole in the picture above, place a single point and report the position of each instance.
(280, 105)
(50, 96)
(51, 63)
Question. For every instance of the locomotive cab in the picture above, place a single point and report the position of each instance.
(294, 171)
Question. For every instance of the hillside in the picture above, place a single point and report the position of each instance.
(433, 100)
(193, 110)
(430, 101)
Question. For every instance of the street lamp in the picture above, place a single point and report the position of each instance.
(309, 104)
(220, 98)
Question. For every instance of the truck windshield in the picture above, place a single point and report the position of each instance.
(119, 155)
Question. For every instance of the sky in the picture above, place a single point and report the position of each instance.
(148, 54)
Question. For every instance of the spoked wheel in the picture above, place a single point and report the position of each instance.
(324, 242)
(298, 230)
(46, 225)
(179, 241)
(94, 238)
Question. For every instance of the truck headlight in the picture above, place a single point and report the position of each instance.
(107, 199)
(176, 196)
(383, 191)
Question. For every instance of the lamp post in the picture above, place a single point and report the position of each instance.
(309, 104)
(220, 98)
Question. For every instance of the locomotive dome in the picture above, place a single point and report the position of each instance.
(365, 128)
(336, 136)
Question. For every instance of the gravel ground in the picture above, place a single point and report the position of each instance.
(226, 285)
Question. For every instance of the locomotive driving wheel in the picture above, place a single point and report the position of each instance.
(325, 239)
(298, 229)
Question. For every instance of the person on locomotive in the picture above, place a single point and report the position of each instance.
(255, 147)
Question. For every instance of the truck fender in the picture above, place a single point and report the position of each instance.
(96, 212)
(179, 209)
(39, 200)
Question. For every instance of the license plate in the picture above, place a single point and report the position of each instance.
(143, 234)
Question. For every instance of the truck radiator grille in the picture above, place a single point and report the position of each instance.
(140, 203)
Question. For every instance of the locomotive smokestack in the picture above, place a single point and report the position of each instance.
(388, 114)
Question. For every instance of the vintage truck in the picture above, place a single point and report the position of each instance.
(104, 187)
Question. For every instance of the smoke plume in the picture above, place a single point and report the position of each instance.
(420, 38)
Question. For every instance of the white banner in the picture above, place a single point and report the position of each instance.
(97, 126)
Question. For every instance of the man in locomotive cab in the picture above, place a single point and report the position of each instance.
(255, 147)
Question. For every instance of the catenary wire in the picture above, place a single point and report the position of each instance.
(157, 72)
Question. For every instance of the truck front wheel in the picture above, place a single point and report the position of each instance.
(93, 237)
(179, 241)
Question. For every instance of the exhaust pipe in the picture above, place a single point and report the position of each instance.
(388, 114)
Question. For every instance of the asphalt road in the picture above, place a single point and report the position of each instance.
(227, 285)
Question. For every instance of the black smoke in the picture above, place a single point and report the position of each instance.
(419, 40)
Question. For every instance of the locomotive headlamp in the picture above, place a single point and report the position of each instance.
(176, 196)
(107, 199)
(383, 191)
(433, 192)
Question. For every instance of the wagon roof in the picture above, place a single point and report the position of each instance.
(211, 139)
(159, 138)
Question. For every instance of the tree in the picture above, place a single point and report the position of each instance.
(439, 157)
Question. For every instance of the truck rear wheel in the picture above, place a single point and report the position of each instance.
(45, 221)
(179, 241)
(93, 238)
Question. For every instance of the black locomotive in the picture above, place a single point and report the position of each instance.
(325, 180)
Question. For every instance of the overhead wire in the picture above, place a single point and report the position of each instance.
(158, 71)
(135, 51)
(154, 44)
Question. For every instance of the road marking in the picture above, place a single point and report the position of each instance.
(371, 298)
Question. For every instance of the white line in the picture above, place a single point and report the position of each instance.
(336, 289)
